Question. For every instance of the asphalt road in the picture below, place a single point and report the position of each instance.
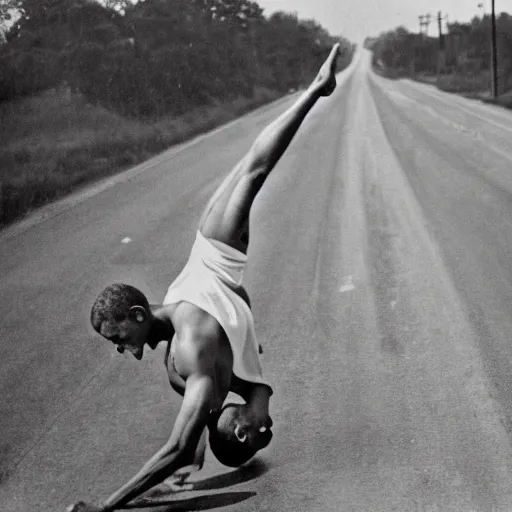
(380, 276)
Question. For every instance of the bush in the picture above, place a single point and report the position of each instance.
(33, 173)
(28, 72)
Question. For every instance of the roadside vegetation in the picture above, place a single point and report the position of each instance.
(89, 88)
(465, 66)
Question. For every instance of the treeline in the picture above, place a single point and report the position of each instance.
(153, 58)
(466, 54)
(399, 52)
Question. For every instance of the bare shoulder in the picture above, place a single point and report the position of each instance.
(198, 338)
(192, 322)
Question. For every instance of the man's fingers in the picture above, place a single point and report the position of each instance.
(180, 478)
(80, 506)
(181, 487)
(179, 484)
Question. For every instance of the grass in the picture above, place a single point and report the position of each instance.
(463, 83)
(471, 86)
(53, 143)
(475, 86)
(504, 100)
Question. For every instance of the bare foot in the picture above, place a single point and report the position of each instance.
(325, 81)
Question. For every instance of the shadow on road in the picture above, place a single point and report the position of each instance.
(204, 502)
(244, 474)
(163, 499)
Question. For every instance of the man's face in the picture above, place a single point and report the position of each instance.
(127, 334)
(257, 439)
(255, 429)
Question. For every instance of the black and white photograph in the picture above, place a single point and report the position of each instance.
(256, 256)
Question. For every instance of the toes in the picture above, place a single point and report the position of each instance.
(335, 50)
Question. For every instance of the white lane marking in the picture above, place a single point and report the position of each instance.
(400, 99)
(463, 108)
(126, 240)
(484, 108)
(348, 285)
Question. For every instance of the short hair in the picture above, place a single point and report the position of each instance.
(114, 303)
(224, 444)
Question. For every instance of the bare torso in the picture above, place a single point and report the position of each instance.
(188, 320)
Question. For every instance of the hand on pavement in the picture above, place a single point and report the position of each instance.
(81, 506)
(178, 481)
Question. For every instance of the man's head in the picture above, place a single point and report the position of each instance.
(121, 314)
(234, 436)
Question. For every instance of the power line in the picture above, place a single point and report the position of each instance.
(425, 20)
(424, 23)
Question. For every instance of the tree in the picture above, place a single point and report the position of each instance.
(159, 57)
(9, 9)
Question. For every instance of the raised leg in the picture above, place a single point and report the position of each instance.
(226, 217)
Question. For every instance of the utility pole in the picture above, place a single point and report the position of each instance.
(440, 58)
(494, 52)
(441, 35)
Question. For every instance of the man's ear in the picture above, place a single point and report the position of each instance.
(240, 434)
(137, 314)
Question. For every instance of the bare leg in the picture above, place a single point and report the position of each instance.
(226, 217)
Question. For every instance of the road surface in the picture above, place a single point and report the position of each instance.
(381, 282)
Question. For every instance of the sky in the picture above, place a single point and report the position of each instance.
(356, 19)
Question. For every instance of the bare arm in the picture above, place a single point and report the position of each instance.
(198, 355)
(260, 398)
(184, 447)
(179, 451)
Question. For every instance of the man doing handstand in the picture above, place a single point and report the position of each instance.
(206, 321)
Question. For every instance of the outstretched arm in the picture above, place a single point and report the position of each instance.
(182, 448)
(179, 451)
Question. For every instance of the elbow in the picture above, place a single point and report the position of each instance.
(184, 449)
(168, 462)
(177, 455)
